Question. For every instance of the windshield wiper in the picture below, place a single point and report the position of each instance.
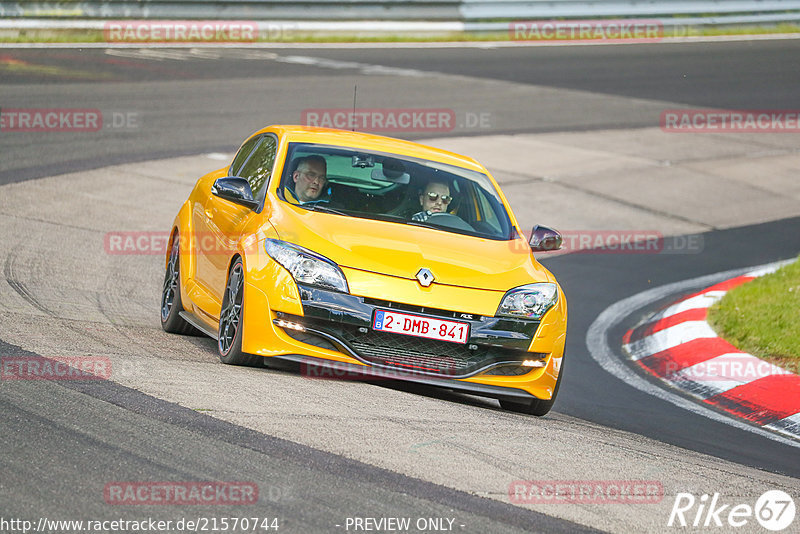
(324, 208)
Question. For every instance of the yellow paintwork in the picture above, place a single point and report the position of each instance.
(379, 260)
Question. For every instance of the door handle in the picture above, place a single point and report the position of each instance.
(209, 213)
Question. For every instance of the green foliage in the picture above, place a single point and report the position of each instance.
(762, 317)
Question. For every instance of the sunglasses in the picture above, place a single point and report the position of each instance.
(433, 197)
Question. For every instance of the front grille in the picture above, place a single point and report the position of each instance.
(510, 370)
(416, 354)
(311, 339)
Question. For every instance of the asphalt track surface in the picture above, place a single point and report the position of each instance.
(61, 439)
(189, 103)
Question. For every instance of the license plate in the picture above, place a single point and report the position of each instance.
(419, 326)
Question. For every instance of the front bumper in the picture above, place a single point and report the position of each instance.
(343, 322)
(320, 368)
(503, 358)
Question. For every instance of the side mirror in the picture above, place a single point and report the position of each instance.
(236, 190)
(544, 239)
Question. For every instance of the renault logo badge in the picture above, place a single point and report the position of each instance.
(425, 277)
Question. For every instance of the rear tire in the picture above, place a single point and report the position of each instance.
(171, 305)
(231, 321)
(537, 407)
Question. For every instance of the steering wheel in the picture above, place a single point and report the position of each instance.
(449, 220)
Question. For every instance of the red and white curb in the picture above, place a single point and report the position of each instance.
(678, 346)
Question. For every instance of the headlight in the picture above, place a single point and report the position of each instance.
(305, 266)
(530, 301)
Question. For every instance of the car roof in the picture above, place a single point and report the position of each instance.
(366, 141)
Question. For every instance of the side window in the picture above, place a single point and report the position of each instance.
(487, 212)
(258, 169)
(241, 157)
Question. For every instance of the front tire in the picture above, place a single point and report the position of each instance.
(231, 321)
(171, 305)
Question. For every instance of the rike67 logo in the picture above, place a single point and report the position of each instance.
(774, 510)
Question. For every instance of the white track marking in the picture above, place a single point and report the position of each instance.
(704, 300)
(600, 350)
(670, 337)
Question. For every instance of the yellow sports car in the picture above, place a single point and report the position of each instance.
(381, 257)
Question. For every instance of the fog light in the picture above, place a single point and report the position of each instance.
(290, 325)
(533, 363)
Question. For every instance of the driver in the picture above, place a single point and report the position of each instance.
(309, 180)
(434, 199)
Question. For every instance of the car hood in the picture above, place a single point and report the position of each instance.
(395, 249)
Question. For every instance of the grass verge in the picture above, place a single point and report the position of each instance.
(762, 317)
(10, 36)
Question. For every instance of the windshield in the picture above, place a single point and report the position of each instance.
(373, 185)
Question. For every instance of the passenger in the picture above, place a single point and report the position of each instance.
(434, 199)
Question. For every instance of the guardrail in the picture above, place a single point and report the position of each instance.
(538, 9)
(241, 9)
(400, 10)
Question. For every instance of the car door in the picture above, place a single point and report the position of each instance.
(224, 221)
